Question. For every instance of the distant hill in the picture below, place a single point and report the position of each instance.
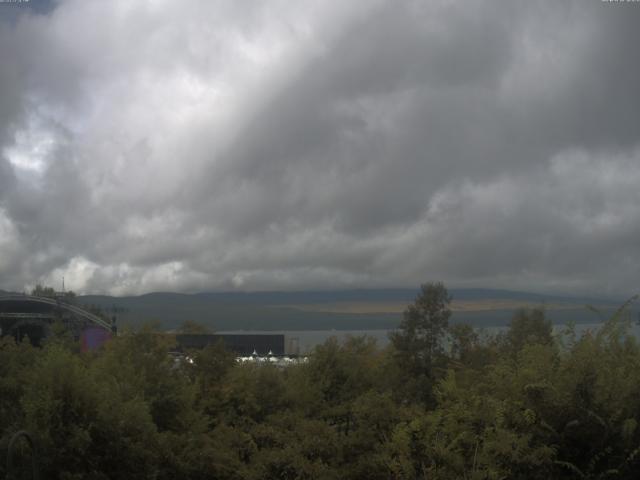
(339, 309)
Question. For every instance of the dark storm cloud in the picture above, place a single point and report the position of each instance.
(201, 146)
(321, 123)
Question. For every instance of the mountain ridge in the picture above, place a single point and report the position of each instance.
(331, 309)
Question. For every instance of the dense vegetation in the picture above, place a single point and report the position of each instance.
(441, 402)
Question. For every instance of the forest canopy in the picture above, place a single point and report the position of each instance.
(440, 402)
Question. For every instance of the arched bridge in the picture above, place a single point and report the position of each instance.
(54, 302)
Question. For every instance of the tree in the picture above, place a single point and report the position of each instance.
(529, 326)
(84, 426)
(418, 342)
(40, 291)
(210, 366)
(193, 327)
(464, 340)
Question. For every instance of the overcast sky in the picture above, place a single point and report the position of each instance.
(260, 145)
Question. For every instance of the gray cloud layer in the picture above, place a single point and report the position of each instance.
(265, 145)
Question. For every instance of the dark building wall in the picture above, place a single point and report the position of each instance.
(239, 344)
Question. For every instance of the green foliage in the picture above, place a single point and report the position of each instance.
(210, 367)
(529, 326)
(517, 406)
(191, 326)
(424, 325)
(418, 344)
(76, 415)
(40, 291)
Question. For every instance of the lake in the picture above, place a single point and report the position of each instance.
(308, 339)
